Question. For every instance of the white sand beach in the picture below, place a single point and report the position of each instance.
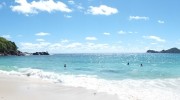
(24, 88)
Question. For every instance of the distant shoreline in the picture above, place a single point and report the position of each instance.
(25, 54)
(171, 50)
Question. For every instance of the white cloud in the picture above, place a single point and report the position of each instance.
(67, 16)
(42, 34)
(80, 7)
(40, 40)
(102, 10)
(76, 5)
(153, 43)
(35, 7)
(121, 32)
(73, 45)
(42, 46)
(106, 33)
(71, 2)
(156, 38)
(51, 47)
(161, 22)
(65, 41)
(6, 36)
(138, 18)
(56, 46)
(93, 46)
(126, 32)
(91, 38)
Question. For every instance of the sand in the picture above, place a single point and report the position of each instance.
(25, 88)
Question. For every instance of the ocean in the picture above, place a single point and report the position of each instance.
(158, 78)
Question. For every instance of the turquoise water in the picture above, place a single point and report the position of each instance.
(107, 66)
(157, 79)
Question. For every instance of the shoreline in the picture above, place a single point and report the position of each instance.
(24, 88)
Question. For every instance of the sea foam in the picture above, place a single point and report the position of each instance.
(126, 89)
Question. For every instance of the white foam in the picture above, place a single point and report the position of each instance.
(128, 89)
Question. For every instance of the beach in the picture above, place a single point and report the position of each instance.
(89, 50)
(25, 88)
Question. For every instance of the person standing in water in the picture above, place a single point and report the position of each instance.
(64, 66)
(141, 65)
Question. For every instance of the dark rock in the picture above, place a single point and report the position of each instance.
(40, 53)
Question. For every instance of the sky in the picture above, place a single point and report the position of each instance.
(91, 26)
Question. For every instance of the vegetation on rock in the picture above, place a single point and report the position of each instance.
(8, 47)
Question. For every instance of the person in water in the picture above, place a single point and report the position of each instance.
(64, 66)
(141, 65)
(128, 63)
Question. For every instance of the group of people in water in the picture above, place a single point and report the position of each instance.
(127, 64)
(140, 64)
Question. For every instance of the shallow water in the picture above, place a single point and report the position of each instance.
(107, 66)
(160, 73)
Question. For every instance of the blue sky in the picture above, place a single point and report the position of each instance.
(91, 26)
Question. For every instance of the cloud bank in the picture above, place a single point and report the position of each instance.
(69, 47)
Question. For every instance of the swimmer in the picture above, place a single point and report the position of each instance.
(64, 66)
(141, 65)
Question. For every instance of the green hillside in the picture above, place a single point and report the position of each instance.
(8, 47)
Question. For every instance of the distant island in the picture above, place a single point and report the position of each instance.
(35, 53)
(40, 53)
(171, 50)
(8, 48)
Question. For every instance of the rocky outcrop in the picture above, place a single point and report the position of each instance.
(8, 48)
(40, 53)
(172, 50)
